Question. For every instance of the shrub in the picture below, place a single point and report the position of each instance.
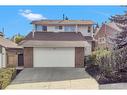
(111, 65)
(6, 75)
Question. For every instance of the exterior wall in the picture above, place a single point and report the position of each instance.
(3, 58)
(12, 58)
(88, 49)
(52, 29)
(28, 57)
(84, 30)
(79, 57)
(80, 28)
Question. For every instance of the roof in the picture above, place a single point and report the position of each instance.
(113, 25)
(110, 29)
(55, 36)
(62, 22)
(8, 44)
(88, 38)
(35, 43)
(53, 39)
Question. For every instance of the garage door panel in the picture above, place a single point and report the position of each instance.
(54, 57)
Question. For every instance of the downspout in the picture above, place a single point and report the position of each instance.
(33, 30)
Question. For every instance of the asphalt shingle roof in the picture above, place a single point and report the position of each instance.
(62, 22)
(55, 36)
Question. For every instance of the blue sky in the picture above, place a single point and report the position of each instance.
(16, 19)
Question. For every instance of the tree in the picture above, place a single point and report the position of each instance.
(17, 38)
(121, 22)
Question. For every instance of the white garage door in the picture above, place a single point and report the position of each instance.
(54, 57)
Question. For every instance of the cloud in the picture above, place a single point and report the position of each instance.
(30, 15)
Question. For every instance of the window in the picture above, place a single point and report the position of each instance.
(89, 29)
(69, 29)
(59, 27)
(41, 28)
(102, 40)
(38, 28)
(44, 28)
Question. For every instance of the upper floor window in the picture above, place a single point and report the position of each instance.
(69, 29)
(38, 28)
(59, 27)
(41, 28)
(44, 28)
(89, 29)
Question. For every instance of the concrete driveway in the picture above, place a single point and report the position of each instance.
(53, 78)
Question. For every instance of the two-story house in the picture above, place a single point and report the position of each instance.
(57, 43)
(86, 27)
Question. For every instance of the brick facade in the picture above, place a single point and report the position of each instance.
(28, 57)
(79, 57)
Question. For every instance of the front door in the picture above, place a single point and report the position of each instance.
(20, 60)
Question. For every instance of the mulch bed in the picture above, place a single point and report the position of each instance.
(95, 73)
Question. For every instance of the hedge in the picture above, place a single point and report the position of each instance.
(6, 76)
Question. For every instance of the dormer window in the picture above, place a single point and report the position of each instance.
(59, 27)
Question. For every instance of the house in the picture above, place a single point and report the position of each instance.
(9, 52)
(105, 34)
(54, 49)
(86, 27)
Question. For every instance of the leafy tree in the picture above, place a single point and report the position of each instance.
(121, 22)
(17, 38)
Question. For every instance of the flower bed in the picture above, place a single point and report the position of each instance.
(6, 76)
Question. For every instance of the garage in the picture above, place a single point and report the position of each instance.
(49, 49)
(54, 57)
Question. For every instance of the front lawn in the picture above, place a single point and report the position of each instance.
(6, 76)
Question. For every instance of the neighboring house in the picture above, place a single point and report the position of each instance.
(105, 34)
(9, 52)
(54, 49)
(86, 27)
